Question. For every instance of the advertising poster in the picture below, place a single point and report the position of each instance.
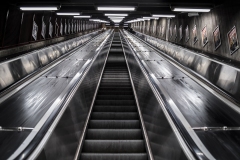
(61, 28)
(72, 28)
(56, 28)
(233, 40)
(75, 27)
(204, 36)
(34, 31)
(217, 38)
(195, 39)
(175, 32)
(159, 30)
(162, 30)
(170, 32)
(154, 27)
(187, 34)
(180, 33)
(50, 29)
(65, 27)
(43, 32)
(69, 27)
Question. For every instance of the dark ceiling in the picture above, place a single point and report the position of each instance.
(143, 7)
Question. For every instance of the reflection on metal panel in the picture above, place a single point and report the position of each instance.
(199, 107)
(66, 69)
(14, 70)
(39, 102)
(68, 131)
(163, 142)
(219, 74)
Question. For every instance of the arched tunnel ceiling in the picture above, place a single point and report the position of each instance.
(143, 7)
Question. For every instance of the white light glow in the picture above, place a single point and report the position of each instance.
(191, 10)
(94, 19)
(150, 17)
(38, 8)
(116, 14)
(68, 14)
(163, 15)
(116, 17)
(116, 21)
(116, 8)
(82, 16)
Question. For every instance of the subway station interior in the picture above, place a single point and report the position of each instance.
(120, 80)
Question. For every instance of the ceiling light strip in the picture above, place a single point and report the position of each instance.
(116, 8)
(68, 14)
(38, 8)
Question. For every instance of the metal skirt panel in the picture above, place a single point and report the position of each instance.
(15, 69)
(163, 141)
(64, 140)
(222, 75)
(28, 107)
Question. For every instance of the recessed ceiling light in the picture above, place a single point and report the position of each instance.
(191, 9)
(38, 8)
(68, 14)
(150, 17)
(117, 17)
(164, 15)
(116, 8)
(82, 16)
(110, 14)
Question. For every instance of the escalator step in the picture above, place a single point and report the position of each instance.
(114, 129)
(115, 102)
(116, 88)
(115, 97)
(114, 108)
(114, 124)
(111, 134)
(113, 146)
(114, 156)
(114, 116)
(115, 92)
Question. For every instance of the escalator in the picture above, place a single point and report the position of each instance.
(114, 128)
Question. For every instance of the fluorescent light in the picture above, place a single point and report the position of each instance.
(39, 8)
(116, 14)
(82, 16)
(163, 15)
(68, 14)
(117, 21)
(116, 8)
(191, 9)
(116, 17)
(150, 17)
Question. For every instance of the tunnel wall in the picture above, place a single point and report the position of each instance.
(16, 27)
(226, 17)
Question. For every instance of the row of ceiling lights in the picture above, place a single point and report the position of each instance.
(116, 18)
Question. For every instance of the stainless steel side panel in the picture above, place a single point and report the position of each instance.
(41, 100)
(192, 105)
(64, 140)
(226, 77)
(163, 142)
(14, 70)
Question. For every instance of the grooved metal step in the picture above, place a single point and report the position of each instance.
(114, 156)
(113, 146)
(114, 116)
(114, 124)
(112, 134)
